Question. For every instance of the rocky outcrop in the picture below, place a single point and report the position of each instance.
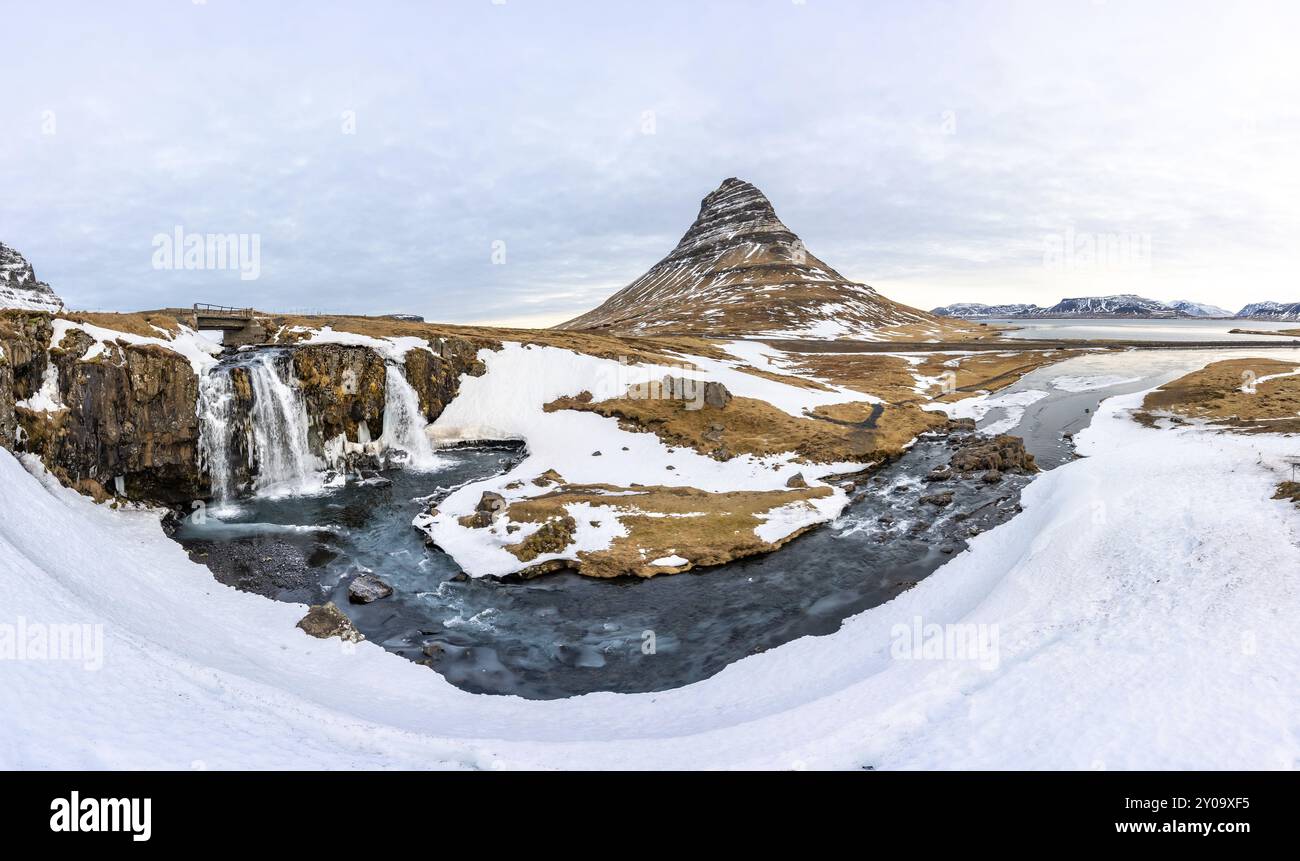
(19, 287)
(129, 427)
(435, 375)
(120, 423)
(123, 420)
(344, 387)
(1001, 453)
(327, 620)
(23, 360)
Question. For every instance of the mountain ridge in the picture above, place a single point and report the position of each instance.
(19, 286)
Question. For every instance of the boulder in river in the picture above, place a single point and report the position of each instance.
(1004, 453)
(938, 499)
(368, 588)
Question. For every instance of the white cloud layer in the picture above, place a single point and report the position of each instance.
(930, 149)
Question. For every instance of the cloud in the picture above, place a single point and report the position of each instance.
(928, 148)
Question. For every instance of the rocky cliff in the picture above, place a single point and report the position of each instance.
(121, 418)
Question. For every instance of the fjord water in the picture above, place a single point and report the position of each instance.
(1142, 330)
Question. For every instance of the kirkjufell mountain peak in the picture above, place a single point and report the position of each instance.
(740, 270)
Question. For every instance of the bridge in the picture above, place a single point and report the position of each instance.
(239, 326)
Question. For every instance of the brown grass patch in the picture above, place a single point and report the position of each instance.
(843, 432)
(1288, 490)
(1215, 394)
(140, 323)
(704, 528)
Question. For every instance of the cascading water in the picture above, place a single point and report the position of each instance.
(278, 431)
(404, 422)
(217, 423)
(272, 436)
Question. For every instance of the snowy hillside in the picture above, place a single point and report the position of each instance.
(1198, 309)
(1122, 305)
(969, 310)
(19, 287)
(1271, 311)
(1096, 584)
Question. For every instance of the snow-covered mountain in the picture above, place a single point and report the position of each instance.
(969, 310)
(1121, 305)
(739, 270)
(1271, 311)
(19, 287)
(1198, 309)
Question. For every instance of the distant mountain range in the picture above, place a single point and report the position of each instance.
(1122, 305)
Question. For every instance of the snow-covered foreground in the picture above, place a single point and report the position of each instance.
(1144, 603)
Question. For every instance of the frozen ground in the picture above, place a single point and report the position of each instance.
(1144, 605)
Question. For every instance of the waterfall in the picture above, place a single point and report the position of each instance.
(273, 436)
(274, 433)
(278, 431)
(404, 422)
(217, 431)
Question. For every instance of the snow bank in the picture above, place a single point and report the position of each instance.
(198, 349)
(1144, 602)
(394, 349)
(507, 403)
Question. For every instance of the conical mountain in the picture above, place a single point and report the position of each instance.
(740, 271)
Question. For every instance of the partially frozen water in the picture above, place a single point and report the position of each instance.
(564, 634)
(1056, 400)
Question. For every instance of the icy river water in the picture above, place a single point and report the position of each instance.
(562, 634)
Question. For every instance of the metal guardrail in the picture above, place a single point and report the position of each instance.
(222, 311)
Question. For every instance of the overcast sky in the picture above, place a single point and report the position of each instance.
(940, 152)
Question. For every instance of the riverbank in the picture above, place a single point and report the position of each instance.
(1096, 584)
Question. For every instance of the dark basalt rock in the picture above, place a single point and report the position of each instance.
(130, 415)
(1001, 453)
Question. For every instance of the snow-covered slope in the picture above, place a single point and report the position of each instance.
(968, 310)
(1122, 305)
(1131, 633)
(19, 287)
(1198, 309)
(1271, 311)
(739, 270)
(507, 402)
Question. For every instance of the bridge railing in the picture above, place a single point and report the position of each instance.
(221, 310)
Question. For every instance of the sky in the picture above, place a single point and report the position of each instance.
(517, 162)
